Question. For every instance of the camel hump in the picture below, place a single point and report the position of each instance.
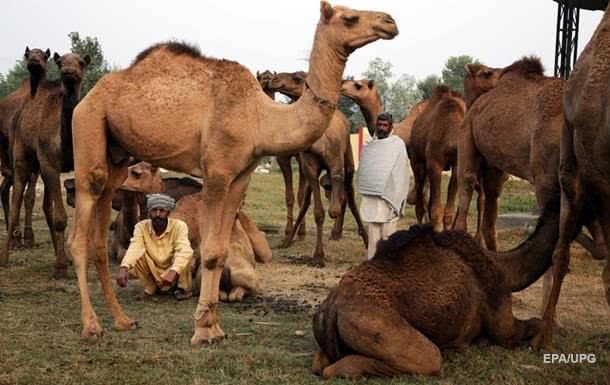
(528, 67)
(177, 48)
(390, 248)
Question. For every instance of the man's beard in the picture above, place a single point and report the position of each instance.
(382, 134)
(159, 223)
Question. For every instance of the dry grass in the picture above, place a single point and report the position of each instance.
(40, 328)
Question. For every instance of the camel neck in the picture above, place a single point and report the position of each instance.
(294, 128)
(525, 264)
(269, 93)
(70, 97)
(35, 78)
(370, 110)
(130, 210)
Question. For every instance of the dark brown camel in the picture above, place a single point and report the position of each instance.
(332, 153)
(424, 292)
(433, 149)
(285, 164)
(10, 108)
(43, 141)
(584, 164)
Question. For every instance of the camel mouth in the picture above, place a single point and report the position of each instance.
(70, 78)
(386, 34)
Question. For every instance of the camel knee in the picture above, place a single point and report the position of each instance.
(97, 179)
(214, 260)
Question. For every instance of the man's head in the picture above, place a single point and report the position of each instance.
(159, 207)
(384, 125)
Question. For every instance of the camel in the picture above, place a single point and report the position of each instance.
(333, 153)
(432, 149)
(284, 162)
(10, 107)
(179, 110)
(247, 246)
(43, 141)
(584, 163)
(424, 292)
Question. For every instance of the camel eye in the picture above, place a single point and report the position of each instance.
(350, 20)
(358, 86)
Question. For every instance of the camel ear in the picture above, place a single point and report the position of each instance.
(47, 53)
(57, 59)
(469, 68)
(371, 83)
(27, 52)
(87, 59)
(326, 10)
(488, 73)
(258, 74)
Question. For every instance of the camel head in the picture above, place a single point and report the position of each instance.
(359, 90)
(36, 60)
(479, 79)
(71, 67)
(346, 30)
(143, 177)
(264, 78)
(290, 84)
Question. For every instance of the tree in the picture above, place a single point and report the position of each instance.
(98, 66)
(402, 96)
(455, 71)
(426, 85)
(381, 73)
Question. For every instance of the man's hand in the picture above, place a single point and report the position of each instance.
(122, 277)
(169, 278)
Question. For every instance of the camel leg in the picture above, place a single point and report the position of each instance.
(30, 199)
(221, 201)
(469, 168)
(21, 172)
(492, 186)
(337, 231)
(478, 236)
(435, 207)
(312, 173)
(351, 200)
(392, 346)
(596, 246)
(301, 194)
(286, 169)
(5, 196)
(419, 175)
(506, 330)
(450, 205)
(300, 218)
(50, 175)
(116, 176)
(572, 199)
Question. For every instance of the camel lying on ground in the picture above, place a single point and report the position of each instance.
(584, 163)
(42, 141)
(285, 164)
(424, 292)
(333, 153)
(202, 110)
(10, 107)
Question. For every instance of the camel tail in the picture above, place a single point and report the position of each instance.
(326, 330)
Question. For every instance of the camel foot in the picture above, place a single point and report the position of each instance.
(28, 238)
(318, 262)
(61, 272)
(207, 328)
(92, 332)
(543, 340)
(124, 324)
(335, 236)
(447, 222)
(237, 294)
(223, 296)
(320, 362)
(285, 243)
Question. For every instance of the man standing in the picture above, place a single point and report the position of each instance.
(160, 253)
(383, 181)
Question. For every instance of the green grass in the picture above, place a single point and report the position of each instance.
(40, 319)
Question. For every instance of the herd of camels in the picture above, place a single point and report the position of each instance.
(177, 109)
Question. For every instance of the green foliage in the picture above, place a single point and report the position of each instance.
(350, 109)
(13, 78)
(454, 71)
(426, 85)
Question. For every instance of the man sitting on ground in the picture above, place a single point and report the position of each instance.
(159, 253)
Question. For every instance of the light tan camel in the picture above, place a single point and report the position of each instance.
(285, 164)
(424, 292)
(584, 163)
(42, 141)
(10, 107)
(333, 153)
(432, 149)
(247, 246)
(177, 109)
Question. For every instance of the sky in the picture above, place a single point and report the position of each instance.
(278, 34)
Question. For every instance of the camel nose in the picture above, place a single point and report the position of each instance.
(388, 19)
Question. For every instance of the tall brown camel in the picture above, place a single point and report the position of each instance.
(36, 64)
(332, 153)
(584, 164)
(198, 110)
(424, 292)
(285, 164)
(43, 141)
(432, 149)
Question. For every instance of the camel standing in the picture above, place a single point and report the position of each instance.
(177, 109)
(333, 153)
(584, 163)
(36, 64)
(43, 141)
(432, 149)
(423, 292)
(285, 164)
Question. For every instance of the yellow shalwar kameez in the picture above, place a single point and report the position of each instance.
(149, 257)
